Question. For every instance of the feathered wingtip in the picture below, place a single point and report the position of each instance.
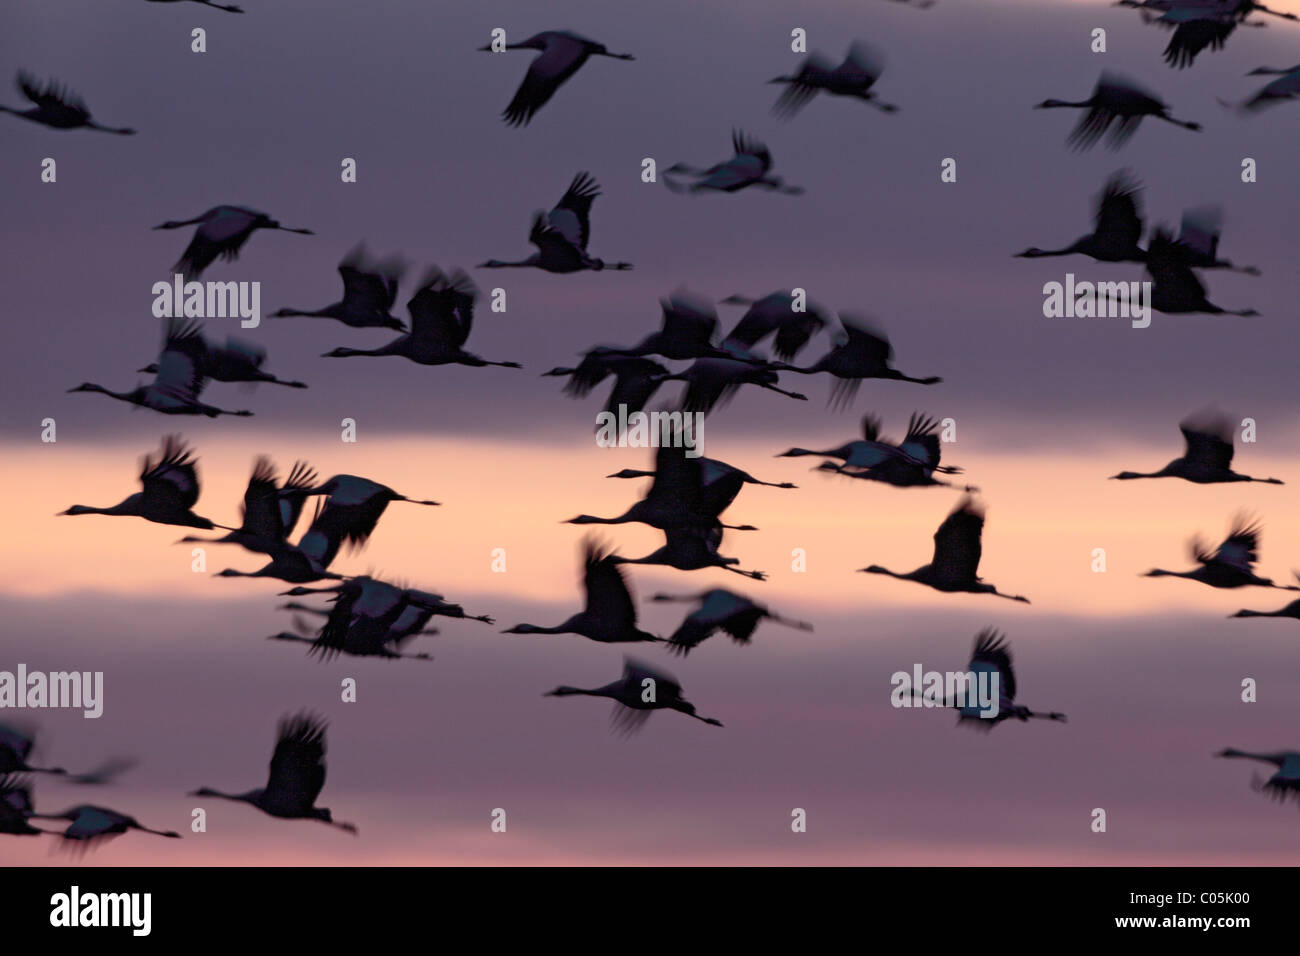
(175, 453)
(968, 506)
(584, 186)
(594, 551)
(304, 727)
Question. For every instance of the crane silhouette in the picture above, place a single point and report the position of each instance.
(610, 612)
(776, 313)
(352, 509)
(1175, 288)
(442, 315)
(713, 382)
(239, 360)
(421, 606)
(170, 486)
(55, 107)
(641, 690)
(1207, 458)
(692, 548)
(863, 352)
(222, 231)
(636, 379)
(1283, 784)
(720, 609)
(853, 78)
(89, 825)
(911, 463)
(1117, 226)
(713, 471)
(562, 54)
(991, 655)
(373, 618)
(750, 165)
(679, 496)
(1285, 87)
(1291, 610)
(687, 330)
(270, 509)
(180, 375)
(1199, 237)
(296, 777)
(561, 235)
(229, 8)
(1116, 102)
(1197, 27)
(16, 806)
(369, 291)
(1231, 565)
(364, 622)
(957, 552)
(16, 746)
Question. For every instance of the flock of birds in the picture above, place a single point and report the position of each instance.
(687, 496)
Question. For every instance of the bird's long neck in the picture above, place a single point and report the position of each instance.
(390, 349)
(286, 636)
(161, 833)
(566, 691)
(1044, 715)
(121, 396)
(538, 629)
(519, 264)
(118, 509)
(1055, 104)
(1247, 613)
(877, 569)
(928, 380)
(1036, 253)
(592, 519)
(288, 313)
(1249, 755)
(249, 797)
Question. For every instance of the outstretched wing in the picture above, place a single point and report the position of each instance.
(1200, 230)
(261, 515)
(609, 599)
(1209, 441)
(991, 652)
(1118, 216)
(556, 63)
(51, 95)
(297, 772)
(443, 309)
(1240, 549)
(957, 545)
(182, 359)
(571, 216)
(922, 443)
(173, 477)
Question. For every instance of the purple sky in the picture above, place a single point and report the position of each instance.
(264, 118)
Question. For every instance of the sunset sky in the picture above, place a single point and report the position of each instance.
(1149, 671)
